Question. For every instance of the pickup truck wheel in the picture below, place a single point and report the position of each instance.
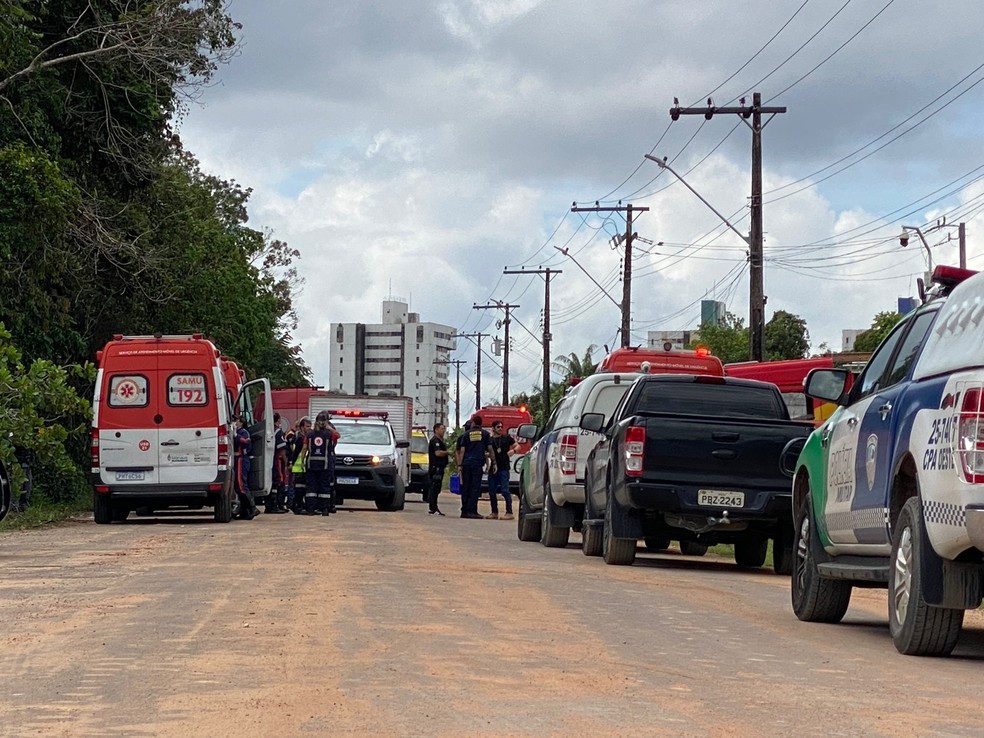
(918, 629)
(592, 540)
(394, 501)
(222, 512)
(616, 551)
(527, 522)
(782, 555)
(657, 543)
(102, 509)
(814, 599)
(692, 548)
(750, 552)
(551, 536)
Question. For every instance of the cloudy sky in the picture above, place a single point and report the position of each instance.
(419, 147)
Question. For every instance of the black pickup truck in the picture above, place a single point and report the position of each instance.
(700, 460)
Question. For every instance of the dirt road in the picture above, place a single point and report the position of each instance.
(405, 624)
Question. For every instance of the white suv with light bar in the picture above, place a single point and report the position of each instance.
(368, 459)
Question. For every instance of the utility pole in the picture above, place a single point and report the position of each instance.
(756, 288)
(627, 269)
(478, 365)
(546, 329)
(457, 387)
(505, 350)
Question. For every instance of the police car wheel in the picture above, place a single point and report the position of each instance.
(917, 628)
(814, 599)
(527, 522)
(551, 536)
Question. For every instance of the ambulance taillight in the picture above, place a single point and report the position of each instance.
(94, 450)
(971, 436)
(223, 438)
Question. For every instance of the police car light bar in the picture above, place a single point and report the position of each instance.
(360, 413)
(948, 277)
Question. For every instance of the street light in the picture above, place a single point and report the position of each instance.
(904, 240)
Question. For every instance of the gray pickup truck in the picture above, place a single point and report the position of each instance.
(694, 459)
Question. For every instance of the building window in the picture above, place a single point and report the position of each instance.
(339, 332)
(420, 334)
(418, 359)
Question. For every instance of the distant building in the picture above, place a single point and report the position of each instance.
(907, 305)
(712, 311)
(849, 336)
(673, 340)
(396, 356)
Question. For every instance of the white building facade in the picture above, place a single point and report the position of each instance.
(399, 356)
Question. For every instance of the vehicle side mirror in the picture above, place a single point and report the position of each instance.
(829, 385)
(593, 422)
(527, 431)
(403, 444)
(790, 455)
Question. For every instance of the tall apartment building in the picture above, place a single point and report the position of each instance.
(400, 356)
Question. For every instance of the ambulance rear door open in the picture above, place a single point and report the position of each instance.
(255, 401)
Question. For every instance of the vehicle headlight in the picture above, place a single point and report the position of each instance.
(382, 460)
(425, 467)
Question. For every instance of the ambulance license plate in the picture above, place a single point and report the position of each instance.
(720, 498)
(346, 480)
(129, 476)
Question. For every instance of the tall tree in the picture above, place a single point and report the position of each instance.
(786, 337)
(881, 325)
(728, 340)
(573, 366)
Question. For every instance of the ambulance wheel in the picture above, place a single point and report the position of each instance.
(223, 506)
(918, 629)
(102, 509)
(120, 513)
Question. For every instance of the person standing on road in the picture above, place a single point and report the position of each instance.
(473, 448)
(298, 483)
(503, 446)
(277, 499)
(437, 462)
(320, 466)
(243, 446)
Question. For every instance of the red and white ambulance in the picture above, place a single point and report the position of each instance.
(161, 430)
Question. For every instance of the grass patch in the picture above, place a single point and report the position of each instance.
(41, 512)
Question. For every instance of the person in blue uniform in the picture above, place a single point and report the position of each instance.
(242, 446)
(320, 466)
(474, 447)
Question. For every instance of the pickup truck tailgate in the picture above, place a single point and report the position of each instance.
(718, 453)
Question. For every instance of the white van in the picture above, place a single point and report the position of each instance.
(551, 482)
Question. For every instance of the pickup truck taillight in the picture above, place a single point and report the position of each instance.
(223, 438)
(94, 450)
(568, 454)
(971, 437)
(635, 447)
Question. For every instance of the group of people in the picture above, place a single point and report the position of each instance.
(476, 451)
(303, 468)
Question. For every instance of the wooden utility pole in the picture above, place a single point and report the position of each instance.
(756, 288)
(478, 365)
(546, 329)
(625, 330)
(499, 305)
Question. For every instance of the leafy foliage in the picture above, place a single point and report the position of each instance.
(786, 337)
(881, 325)
(106, 224)
(728, 340)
